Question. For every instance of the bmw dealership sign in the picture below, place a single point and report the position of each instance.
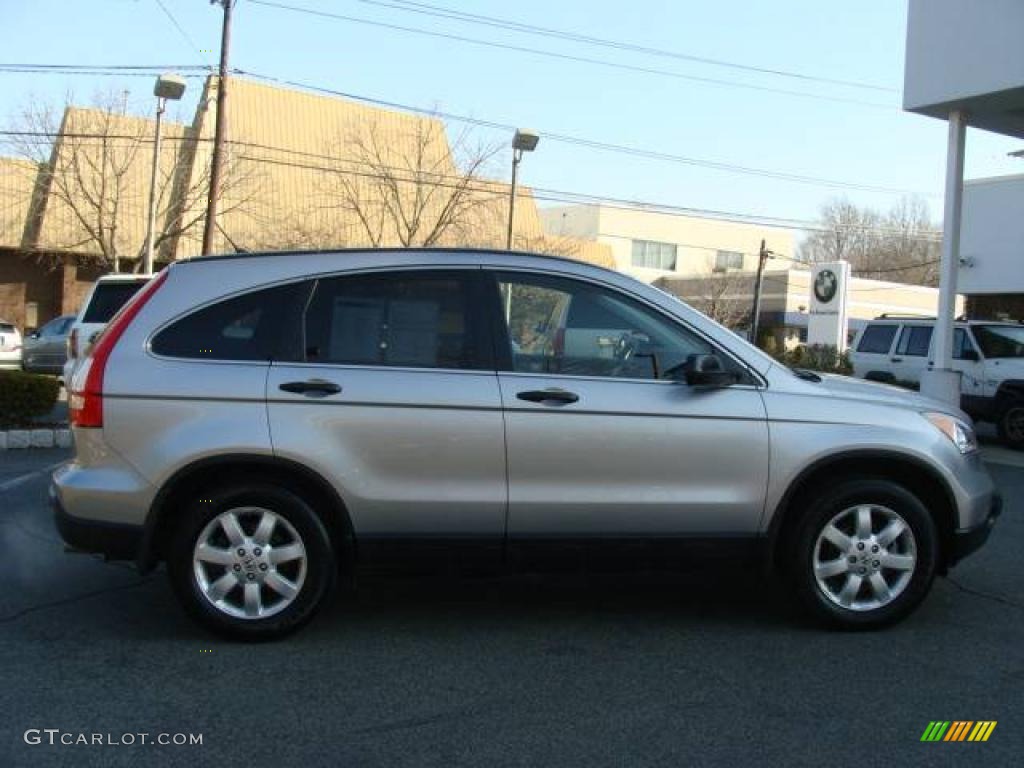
(828, 316)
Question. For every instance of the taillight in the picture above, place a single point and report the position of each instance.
(73, 344)
(85, 404)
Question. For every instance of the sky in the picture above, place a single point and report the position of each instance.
(853, 135)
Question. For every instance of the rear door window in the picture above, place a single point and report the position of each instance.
(261, 325)
(914, 340)
(877, 339)
(108, 298)
(402, 319)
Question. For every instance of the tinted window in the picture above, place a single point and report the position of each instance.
(1000, 340)
(420, 320)
(109, 297)
(914, 340)
(877, 339)
(570, 327)
(261, 325)
(6, 328)
(961, 343)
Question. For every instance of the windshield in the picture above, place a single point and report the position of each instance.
(1000, 340)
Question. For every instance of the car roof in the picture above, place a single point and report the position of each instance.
(122, 278)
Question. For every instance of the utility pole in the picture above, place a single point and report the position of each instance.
(755, 313)
(220, 128)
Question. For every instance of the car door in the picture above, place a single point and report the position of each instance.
(967, 360)
(601, 440)
(394, 398)
(53, 342)
(910, 356)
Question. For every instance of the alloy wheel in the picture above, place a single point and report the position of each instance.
(249, 563)
(864, 557)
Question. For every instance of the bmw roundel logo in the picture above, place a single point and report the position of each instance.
(825, 285)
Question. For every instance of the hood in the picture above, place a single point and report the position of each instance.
(859, 389)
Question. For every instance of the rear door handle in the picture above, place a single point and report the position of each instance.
(897, 360)
(312, 387)
(554, 396)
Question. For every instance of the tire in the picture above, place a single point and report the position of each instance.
(261, 580)
(848, 595)
(1011, 424)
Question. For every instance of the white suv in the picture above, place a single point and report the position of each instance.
(988, 354)
(10, 345)
(105, 298)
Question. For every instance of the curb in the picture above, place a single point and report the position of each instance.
(17, 439)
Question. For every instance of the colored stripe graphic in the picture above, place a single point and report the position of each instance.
(958, 730)
(935, 730)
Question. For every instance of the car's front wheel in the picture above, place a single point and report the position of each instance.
(251, 561)
(866, 554)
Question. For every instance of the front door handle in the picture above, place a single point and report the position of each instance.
(554, 396)
(312, 387)
(897, 360)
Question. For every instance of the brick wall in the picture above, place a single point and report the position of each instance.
(55, 285)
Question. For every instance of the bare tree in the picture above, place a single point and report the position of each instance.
(92, 185)
(902, 245)
(408, 188)
(725, 297)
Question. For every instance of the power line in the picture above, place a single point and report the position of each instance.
(515, 26)
(557, 137)
(29, 66)
(181, 30)
(539, 193)
(592, 143)
(569, 57)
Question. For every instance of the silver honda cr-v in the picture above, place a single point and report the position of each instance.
(264, 423)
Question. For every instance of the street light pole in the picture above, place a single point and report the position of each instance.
(167, 87)
(147, 264)
(523, 141)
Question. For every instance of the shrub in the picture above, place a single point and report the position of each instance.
(25, 396)
(818, 357)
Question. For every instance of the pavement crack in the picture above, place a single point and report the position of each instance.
(985, 595)
(68, 600)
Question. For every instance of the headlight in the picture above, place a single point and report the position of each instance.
(961, 434)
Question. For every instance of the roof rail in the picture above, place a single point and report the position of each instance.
(903, 316)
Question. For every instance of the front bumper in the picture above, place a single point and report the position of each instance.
(969, 540)
(115, 541)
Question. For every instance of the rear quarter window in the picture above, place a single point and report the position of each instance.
(6, 328)
(257, 326)
(108, 298)
(877, 339)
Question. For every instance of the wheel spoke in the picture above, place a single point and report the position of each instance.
(210, 554)
(265, 528)
(253, 600)
(880, 587)
(896, 562)
(281, 585)
(863, 522)
(830, 568)
(891, 532)
(232, 528)
(221, 587)
(838, 539)
(850, 589)
(283, 554)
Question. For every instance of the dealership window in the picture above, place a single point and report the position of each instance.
(877, 339)
(726, 260)
(654, 255)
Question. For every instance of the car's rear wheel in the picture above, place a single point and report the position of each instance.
(866, 554)
(251, 562)
(1011, 424)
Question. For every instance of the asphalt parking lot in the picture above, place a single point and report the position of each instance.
(709, 669)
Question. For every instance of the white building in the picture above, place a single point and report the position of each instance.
(650, 245)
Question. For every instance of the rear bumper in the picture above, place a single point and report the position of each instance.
(969, 540)
(115, 541)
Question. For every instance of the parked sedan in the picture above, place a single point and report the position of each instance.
(46, 350)
(10, 345)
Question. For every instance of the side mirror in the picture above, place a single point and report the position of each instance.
(969, 354)
(707, 371)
